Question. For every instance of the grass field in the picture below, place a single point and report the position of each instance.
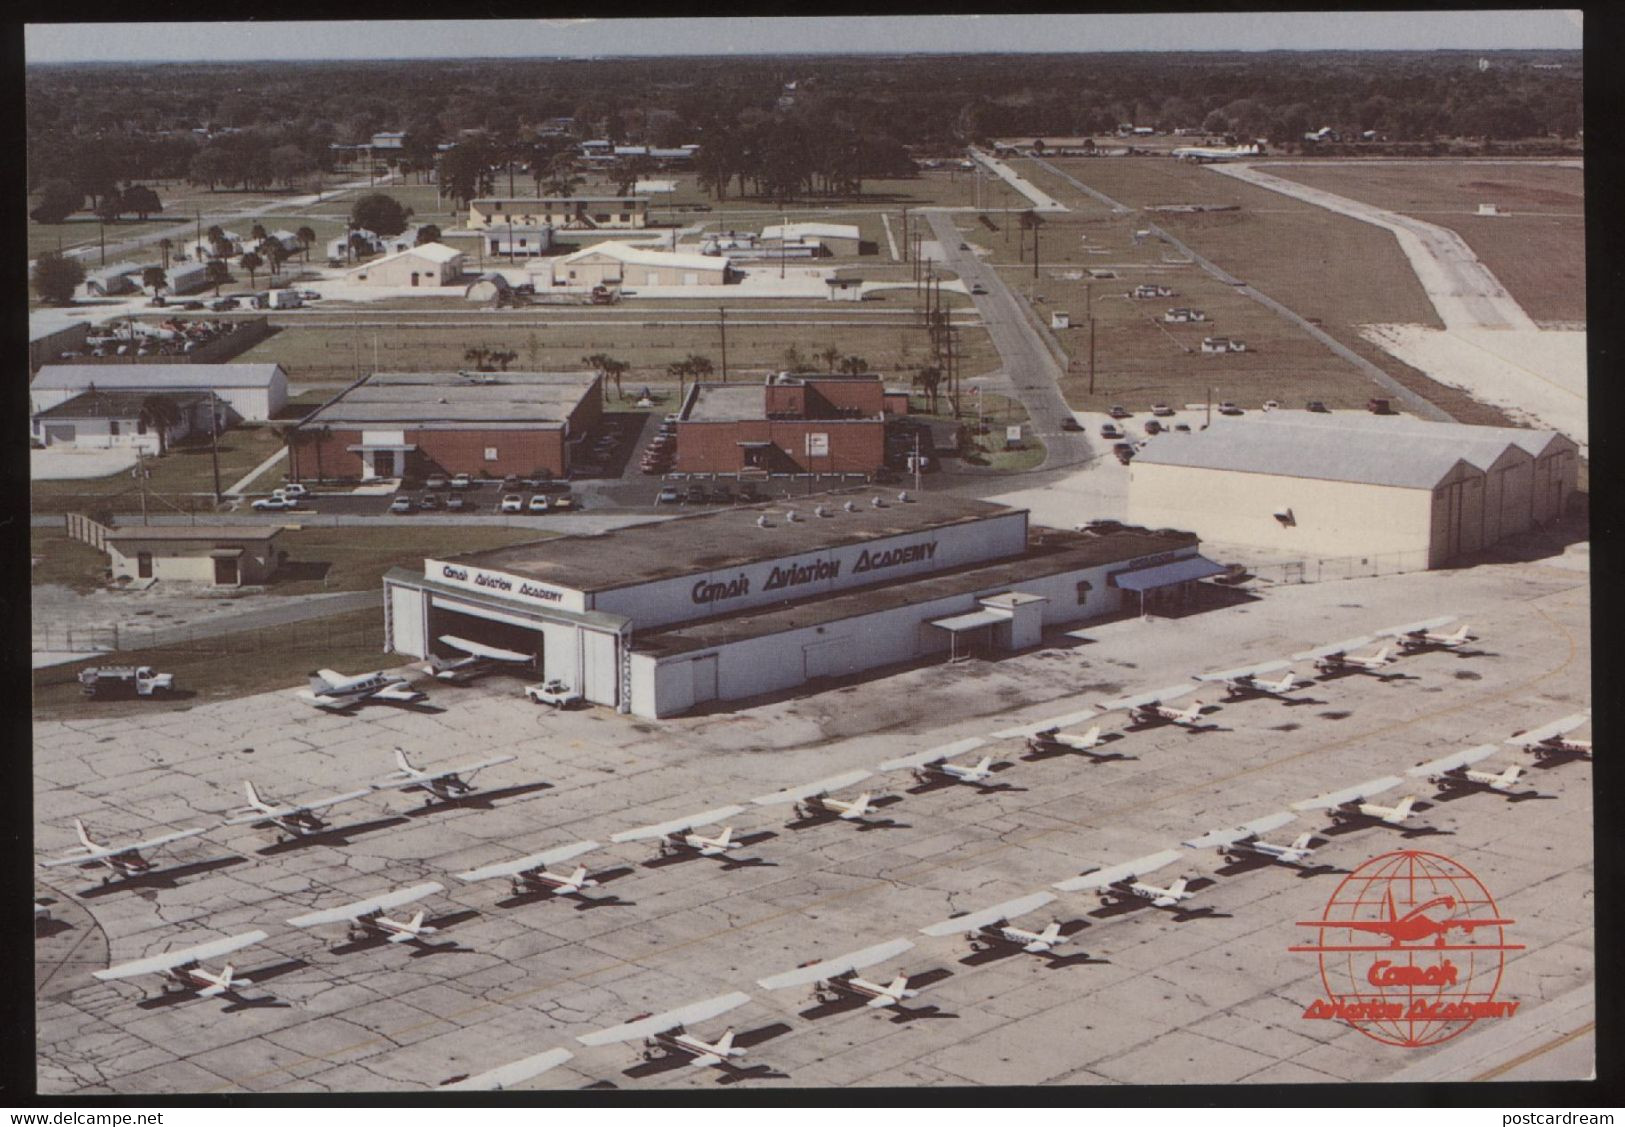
(61, 560)
(353, 558)
(181, 480)
(1537, 251)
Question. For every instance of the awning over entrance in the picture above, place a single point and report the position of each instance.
(1166, 575)
(962, 622)
(755, 445)
(225, 553)
(382, 448)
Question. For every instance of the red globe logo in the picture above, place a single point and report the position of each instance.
(1412, 948)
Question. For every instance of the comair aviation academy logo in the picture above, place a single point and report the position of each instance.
(1412, 948)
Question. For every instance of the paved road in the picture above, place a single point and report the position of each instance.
(1029, 367)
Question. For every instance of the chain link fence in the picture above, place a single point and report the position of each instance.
(1341, 567)
(315, 636)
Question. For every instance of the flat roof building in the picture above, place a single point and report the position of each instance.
(657, 618)
(216, 555)
(566, 213)
(255, 392)
(788, 424)
(411, 424)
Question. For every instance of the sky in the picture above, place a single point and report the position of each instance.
(384, 39)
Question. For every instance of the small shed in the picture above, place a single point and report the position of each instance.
(845, 289)
(216, 555)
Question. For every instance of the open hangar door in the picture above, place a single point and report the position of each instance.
(479, 627)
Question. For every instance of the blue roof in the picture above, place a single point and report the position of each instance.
(1166, 575)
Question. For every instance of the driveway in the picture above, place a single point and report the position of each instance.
(65, 465)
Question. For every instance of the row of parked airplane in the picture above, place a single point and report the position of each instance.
(340, 692)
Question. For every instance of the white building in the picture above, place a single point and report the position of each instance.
(256, 392)
(432, 264)
(371, 243)
(516, 242)
(836, 238)
(612, 263)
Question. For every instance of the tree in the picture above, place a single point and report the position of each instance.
(830, 356)
(58, 200)
(627, 173)
(562, 176)
(794, 361)
(274, 254)
(251, 262)
(854, 365)
(503, 359)
(110, 207)
(218, 273)
(154, 278)
(615, 369)
(211, 166)
(681, 370)
(55, 277)
(428, 233)
(307, 236)
(465, 172)
(384, 215)
(257, 232)
(166, 244)
(929, 379)
(478, 356)
(159, 412)
(142, 200)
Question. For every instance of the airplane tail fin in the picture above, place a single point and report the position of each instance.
(1177, 887)
(319, 683)
(253, 795)
(400, 760)
(83, 836)
(579, 877)
(986, 762)
(1091, 737)
(1051, 933)
(721, 839)
(1381, 656)
(1403, 810)
(1460, 635)
(1302, 841)
(725, 1044)
(898, 989)
(1510, 775)
(415, 924)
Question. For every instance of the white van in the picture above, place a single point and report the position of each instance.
(286, 299)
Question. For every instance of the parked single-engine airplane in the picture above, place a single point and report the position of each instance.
(678, 834)
(183, 971)
(445, 783)
(1240, 684)
(293, 819)
(668, 1032)
(1204, 155)
(119, 860)
(1335, 660)
(1415, 925)
(1454, 771)
(510, 1074)
(1148, 708)
(992, 926)
(833, 979)
(1239, 842)
(1121, 883)
(478, 659)
(1424, 635)
(367, 920)
(335, 691)
(1351, 804)
(530, 875)
(1553, 739)
(812, 799)
(932, 765)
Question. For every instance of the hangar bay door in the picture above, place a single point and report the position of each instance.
(480, 624)
(600, 672)
(705, 678)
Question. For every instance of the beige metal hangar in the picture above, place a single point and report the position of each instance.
(1333, 486)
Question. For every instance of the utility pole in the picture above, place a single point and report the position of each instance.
(784, 234)
(1091, 347)
(101, 237)
(214, 442)
(1209, 409)
(141, 480)
(906, 255)
(1036, 221)
(916, 460)
(722, 327)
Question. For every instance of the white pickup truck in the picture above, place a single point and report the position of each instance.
(555, 693)
(138, 680)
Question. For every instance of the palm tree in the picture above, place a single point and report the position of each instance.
(274, 253)
(596, 362)
(830, 356)
(159, 413)
(478, 357)
(307, 236)
(615, 369)
(319, 437)
(257, 232)
(929, 379)
(218, 273)
(504, 358)
(251, 262)
(166, 244)
(854, 365)
(682, 369)
(154, 277)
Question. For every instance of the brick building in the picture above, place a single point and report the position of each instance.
(789, 424)
(411, 424)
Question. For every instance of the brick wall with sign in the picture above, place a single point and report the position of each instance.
(855, 445)
(444, 451)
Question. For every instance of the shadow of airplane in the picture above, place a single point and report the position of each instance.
(235, 1001)
(45, 928)
(478, 800)
(161, 878)
(332, 835)
(733, 1073)
(1553, 759)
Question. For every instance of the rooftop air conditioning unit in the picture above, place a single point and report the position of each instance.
(791, 515)
(878, 503)
(763, 522)
(850, 506)
(904, 497)
(820, 511)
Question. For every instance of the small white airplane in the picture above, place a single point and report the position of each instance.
(1038, 727)
(1240, 842)
(1424, 635)
(1553, 739)
(1204, 155)
(183, 972)
(812, 799)
(1250, 681)
(335, 691)
(1148, 708)
(833, 979)
(1454, 771)
(478, 659)
(119, 860)
(1120, 883)
(508, 1075)
(678, 834)
(1335, 658)
(992, 926)
(293, 819)
(530, 875)
(445, 783)
(367, 920)
(1350, 804)
(668, 1032)
(933, 764)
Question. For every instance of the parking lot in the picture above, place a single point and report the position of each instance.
(1209, 994)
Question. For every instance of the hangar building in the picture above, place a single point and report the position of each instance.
(657, 618)
(1333, 486)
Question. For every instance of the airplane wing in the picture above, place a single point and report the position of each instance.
(490, 653)
(1247, 671)
(1349, 794)
(1335, 647)
(399, 691)
(113, 850)
(1215, 838)
(398, 780)
(659, 1023)
(299, 808)
(510, 1074)
(920, 759)
(807, 790)
(1417, 627)
(534, 861)
(157, 964)
(1025, 730)
(1555, 728)
(368, 907)
(1101, 878)
(1172, 692)
(1454, 760)
(841, 964)
(322, 700)
(677, 825)
(1009, 910)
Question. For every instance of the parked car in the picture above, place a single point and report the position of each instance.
(193, 306)
(538, 503)
(1110, 430)
(435, 481)
(223, 303)
(748, 493)
(462, 481)
(964, 246)
(1183, 427)
(401, 504)
(293, 489)
(722, 495)
(457, 503)
(554, 692)
(564, 501)
(1071, 423)
(428, 501)
(1229, 408)
(510, 483)
(978, 288)
(158, 302)
(668, 495)
(275, 504)
(513, 503)
(1153, 427)
(695, 495)
(1161, 410)
(1379, 407)
(1118, 411)
(1318, 407)
(1124, 452)
(1271, 405)
(885, 475)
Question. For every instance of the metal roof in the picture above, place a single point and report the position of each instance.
(638, 256)
(1408, 454)
(116, 404)
(226, 532)
(1166, 575)
(78, 377)
(501, 398)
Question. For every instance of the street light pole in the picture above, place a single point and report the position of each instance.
(722, 327)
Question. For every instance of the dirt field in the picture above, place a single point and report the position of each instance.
(1537, 251)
